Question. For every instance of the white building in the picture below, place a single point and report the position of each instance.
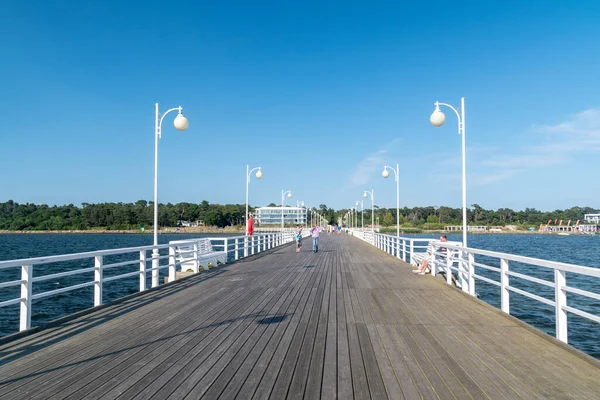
(265, 216)
(592, 218)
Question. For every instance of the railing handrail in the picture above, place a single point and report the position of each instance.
(75, 256)
(578, 269)
(464, 258)
(185, 253)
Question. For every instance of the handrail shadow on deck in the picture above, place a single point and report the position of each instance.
(267, 320)
(122, 306)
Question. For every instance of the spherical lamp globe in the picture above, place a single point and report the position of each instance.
(259, 174)
(289, 195)
(365, 195)
(437, 118)
(385, 173)
(181, 122)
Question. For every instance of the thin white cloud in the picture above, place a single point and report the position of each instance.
(371, 165)
(559, 143)
(367, 168)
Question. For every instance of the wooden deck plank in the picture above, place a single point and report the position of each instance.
(115, 375)
(358, 324)
(228, 365)
(229, 383)
(275, 381)
(58, 366)
(330, 362)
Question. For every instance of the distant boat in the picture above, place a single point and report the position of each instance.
(563, 234)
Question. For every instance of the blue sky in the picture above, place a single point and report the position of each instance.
(321, 94)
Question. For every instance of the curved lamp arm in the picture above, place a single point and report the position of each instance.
(159, 127)
(438, 104)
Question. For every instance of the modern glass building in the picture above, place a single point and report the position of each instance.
(266, 216)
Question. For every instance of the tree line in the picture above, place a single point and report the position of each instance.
(120, 216)
(115, 216)
(437, 217)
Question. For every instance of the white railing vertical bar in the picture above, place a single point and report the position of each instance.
(504, 284)
(142, 270)
(236, 249)
(196, 264)
(412, 251)
(98, 277)
(448, 269)
(560, 298)
(252, 244)
(463, 270)
(404, 250)
(245, 246)
(471, 274)
(226, 249)
(155, 272)
(172, 263)
(26, 293)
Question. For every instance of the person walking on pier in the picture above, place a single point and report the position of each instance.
(315, 238)
(298, 238)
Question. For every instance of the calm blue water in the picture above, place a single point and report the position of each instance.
(581, 250)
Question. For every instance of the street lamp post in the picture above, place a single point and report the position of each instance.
(181, 124)
(437, 119)
(259, 175)
(365, 195)
(362, 213)
(283, 193)
(385, 174)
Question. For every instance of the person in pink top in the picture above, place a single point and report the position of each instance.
(315, 237)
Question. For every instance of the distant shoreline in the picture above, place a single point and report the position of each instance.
(129, 231)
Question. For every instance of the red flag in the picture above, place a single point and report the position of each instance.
(250, 225)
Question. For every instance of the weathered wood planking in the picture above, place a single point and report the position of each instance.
(349, 322)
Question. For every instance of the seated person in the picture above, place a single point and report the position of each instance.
(421, 269)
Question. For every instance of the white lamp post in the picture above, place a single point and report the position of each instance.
(385, 174)
(181, 124)
(362, 213)
(437, 119)
(289, 195)
(259, 175)
(365, 195)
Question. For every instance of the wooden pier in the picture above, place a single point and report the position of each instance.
(347, 322)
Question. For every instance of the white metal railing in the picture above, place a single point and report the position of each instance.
(471, 265)
(234, 247)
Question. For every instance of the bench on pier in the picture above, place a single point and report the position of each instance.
(206, 255)
(417, 258)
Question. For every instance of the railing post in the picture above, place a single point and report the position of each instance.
(196, 265)
(432, 261)
(398, 248)
(448, 267)
(246, 246)
(142, 270)
(560, 297)
(504, 294)
(252, 245)
(404, 250)
(26, 293)
(412, 252)
(463, 270)
(226, 249)
(237, 248)
(172, 263)
(471, 274)
(155, 264)
(98, 277)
